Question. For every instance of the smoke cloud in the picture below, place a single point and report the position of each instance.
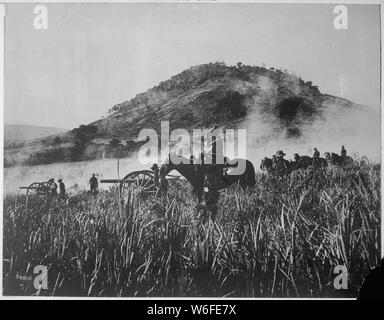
(329, 125)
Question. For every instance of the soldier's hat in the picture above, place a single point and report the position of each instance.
(51, 180)
(59, 180)
(295, 154)
(280, 153)
(154, 166)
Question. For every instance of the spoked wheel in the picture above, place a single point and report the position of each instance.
(139, 182)
(38, 189)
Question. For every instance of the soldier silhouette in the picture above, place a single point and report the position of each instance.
(94, 183)
(343, 152)
(316, 156)
(61, 187)
(53, 186)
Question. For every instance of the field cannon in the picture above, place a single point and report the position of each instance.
(142, 181)
(41, 189)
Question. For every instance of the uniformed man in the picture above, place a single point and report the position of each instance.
(280, 156)
(296, 159)
(61, 187)
(279, 161)
(53, 186)
(94, 183)
(316, 153)
(316, 156)
(343, 152)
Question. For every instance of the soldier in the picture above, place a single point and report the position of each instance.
(296, 159)
(53, 186)
(280, 162)
(316, 153)
(280, 156)
(94, 183)
(343, 152)
(316, 156)
(61, 187)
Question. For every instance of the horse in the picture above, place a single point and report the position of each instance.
(188, 170)
(301, 162)
(335, 159)
(320, 163)
(196, 173)
(237, 170)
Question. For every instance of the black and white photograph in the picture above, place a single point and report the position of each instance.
(190, 149)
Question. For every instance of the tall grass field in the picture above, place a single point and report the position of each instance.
(283, 238)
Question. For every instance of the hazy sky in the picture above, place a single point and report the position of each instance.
(94, 56)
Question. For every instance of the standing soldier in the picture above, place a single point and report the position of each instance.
(53, 186)
(279, 156)
(316, 156)
(62, 194)
(343, 152)
(155, 169)
(296, 161)
(61, 187)
(280, 162)
(94, 183)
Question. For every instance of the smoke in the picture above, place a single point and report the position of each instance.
(328, 126)
(75, 175)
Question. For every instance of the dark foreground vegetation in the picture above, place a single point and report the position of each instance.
(281, 239)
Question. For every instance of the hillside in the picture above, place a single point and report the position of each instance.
(17, 133)
(278, 109)
(216, 94)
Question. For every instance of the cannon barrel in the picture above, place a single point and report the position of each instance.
(111, 181)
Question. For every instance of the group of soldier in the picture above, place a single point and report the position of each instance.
(281, 165)
(62, 191)
(53, 187)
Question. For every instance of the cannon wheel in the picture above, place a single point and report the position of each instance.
(142, 182)
(38, 189)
